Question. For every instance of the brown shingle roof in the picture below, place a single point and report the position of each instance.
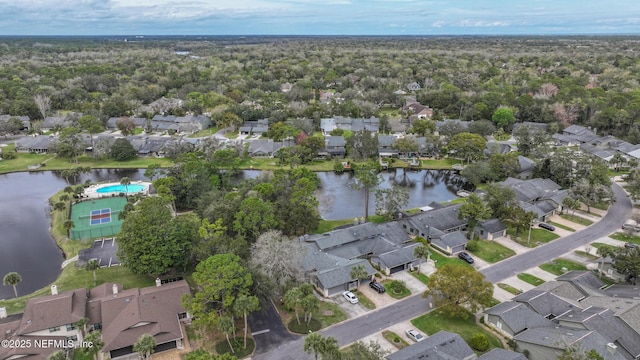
(55, 310)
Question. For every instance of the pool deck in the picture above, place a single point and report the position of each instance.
(92, 191)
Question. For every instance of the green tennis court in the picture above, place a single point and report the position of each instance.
(96, 218)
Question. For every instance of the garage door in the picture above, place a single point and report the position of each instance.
(166, 346)
(121, 352)
(397, 269)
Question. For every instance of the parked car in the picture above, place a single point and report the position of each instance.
(377, 287)
(466, 257)
(415, 335)
(631, 227)
(547, 226)
(350, 297)
(631, 245)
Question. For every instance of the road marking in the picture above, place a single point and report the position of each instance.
(260, 332)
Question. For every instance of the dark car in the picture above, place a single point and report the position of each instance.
(547, 226)
(377, 287)
(631, 227)
(466, 257)
(631, 245)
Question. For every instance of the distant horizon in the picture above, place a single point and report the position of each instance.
(141, 35)
(314, 18)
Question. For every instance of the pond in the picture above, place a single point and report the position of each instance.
(26, 245)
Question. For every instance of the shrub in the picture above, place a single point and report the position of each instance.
(473, 245)
(8, 155)
(479, 342)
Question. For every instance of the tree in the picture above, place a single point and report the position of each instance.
(126, 126)
(278, 257)
(319, 345)
(481, 127)
(362, 351)
(153, 171)
(292, 300)
(618, 160)
(626, 261)
(468, 146)
(405, 146)
(70, 144)
(122, 150)
(43, 102)
(362, 145)
(11, 126)
(576, 352)
(226, 324)
(500, 199)
(125, 181)
(145, 346)
(390, 201)
(244, 305)
(93, 265)
(59, 206)
(473, 210)
(421, 252)
(309, 304)
(94, 338)
(58, 355)
(519, 218)
(423, 127)
(458, 289)
(591, 194)
(229, 119)
(202, 354)
(13, 279)
(530, 139)
(68, 225)
(151, 241)
(90, 124)
(254, 216)
(570, 203)
(358, 272)
(503, 116)
(366, 179)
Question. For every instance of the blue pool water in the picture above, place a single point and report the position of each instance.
(131, 188)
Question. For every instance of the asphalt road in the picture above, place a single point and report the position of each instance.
(612, 221)
(414, 306)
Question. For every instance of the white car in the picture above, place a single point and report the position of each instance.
(414, 335)
(350, 297)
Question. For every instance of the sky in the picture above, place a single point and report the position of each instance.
(318, 17)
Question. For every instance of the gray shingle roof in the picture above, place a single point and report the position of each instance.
(492, 226)
(398, 257)
(444, 219)
(546, 303)
(518, 317)
(441, 345)
(502, 354)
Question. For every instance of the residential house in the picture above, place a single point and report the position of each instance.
(417, 111)
(385, 146)
(112, 123)
(331, 256)
(533, 125)
(525, 167)
(441, 345)
(26, 122)
(122, 316)
(502, 354)
(565, 140)
(40, 144)
(414, 86)
(51, 122)
(541, 196)
(265, 147)
(258, 127)
(187, 124)
(334, 146)
(329, 124)
(461, 123)
(574, 310)
(153, 146)
(441, 227)
(491, 229)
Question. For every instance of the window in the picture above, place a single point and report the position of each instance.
(71, 327)
(97, 326)
(182, 315)
(54, 329)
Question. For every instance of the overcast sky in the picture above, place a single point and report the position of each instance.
(317, 17)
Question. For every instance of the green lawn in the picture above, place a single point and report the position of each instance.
(492, 252)
(439, 164)
(561, 226)
(576, 219)
(422, 277)
(626, 238)
(206, 132)
(533, 280)
(436, 320)
(327, 320)
(538, 236)
(328, 225)
(599, 246)
(364, 300)
(396, 289)
(441, 260)
(509, 288)
(394, 339)
(585, 255)
(555, 267)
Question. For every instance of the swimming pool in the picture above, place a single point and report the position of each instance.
(130, 189)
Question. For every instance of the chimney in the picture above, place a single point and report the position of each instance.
(114, 288)
(158, 282)
(3, 312)
(54, 290)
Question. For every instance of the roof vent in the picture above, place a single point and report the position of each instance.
(611, 347)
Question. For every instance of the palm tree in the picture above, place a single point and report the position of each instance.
(226, 325)
(244, 305)
(421, 252)
(93, 265)
(82, 325)
(95, 339)
(314, 342)
(58, 355)
(68, 225)
(125, 181)
(59, 206)
(309, 304)
(292, 300)
(145, 346)
(13, 279)
(358, 272)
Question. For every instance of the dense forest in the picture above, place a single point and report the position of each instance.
(591, 81)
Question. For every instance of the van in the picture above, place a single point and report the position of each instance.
(547, 226)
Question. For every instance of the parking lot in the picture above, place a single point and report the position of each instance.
(104, 250)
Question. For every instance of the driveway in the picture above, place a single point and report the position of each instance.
(104, 250)
(351, 310)
(267, 329)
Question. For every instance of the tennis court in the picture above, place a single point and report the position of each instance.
(97, 218)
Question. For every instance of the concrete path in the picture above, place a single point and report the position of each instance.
(68, 261)
(507, 242)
